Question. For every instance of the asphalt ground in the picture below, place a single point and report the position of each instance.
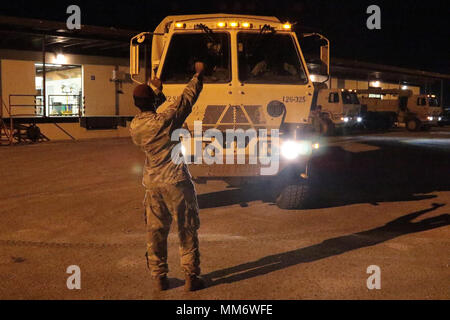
(380, 199)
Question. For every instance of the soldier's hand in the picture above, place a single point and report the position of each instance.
(157, 83)
(199, 68)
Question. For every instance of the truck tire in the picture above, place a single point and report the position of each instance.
(293, 196)
(413, 125)
(389, 124)
(33, 133)
(316, 123)
(327, 128)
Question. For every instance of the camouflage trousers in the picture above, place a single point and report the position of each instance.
(162, 205)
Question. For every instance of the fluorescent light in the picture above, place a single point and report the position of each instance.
(375, 84)
(60, 58)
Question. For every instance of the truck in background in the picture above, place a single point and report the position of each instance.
(335, 109)
(415, 112)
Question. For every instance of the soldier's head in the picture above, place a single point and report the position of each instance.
(144, 98)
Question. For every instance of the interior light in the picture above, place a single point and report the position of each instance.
(246, 25)
(60, 59)
(221, 24)
(180, 25)
(234, 24)
(287, 26)
(375, 84)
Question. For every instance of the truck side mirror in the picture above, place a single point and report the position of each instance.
(325, 56)
(324, 53)
(134, 59)
(143, 39)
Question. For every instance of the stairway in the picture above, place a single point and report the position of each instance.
(28, 133)
(21, 133)
(5, 134)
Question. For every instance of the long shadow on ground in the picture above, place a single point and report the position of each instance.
(331, 247)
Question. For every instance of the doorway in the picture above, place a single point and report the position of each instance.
(63, 89)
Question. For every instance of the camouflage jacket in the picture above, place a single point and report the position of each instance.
(152, 132)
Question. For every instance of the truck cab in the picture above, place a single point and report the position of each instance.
(255, 79)
(335, 108)
(419, 111)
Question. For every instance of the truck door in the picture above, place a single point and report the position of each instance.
(334, 106)
(418, 105)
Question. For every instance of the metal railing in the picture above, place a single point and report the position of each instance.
(69, 105)
(38, 108)
(8, 132)
(32, 106)
(58, 105)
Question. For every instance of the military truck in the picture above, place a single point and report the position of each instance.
(256, 79)
(334, 109)
(415, 112)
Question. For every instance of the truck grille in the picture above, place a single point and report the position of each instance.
(229, 117)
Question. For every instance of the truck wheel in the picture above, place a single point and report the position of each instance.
(293, 196)
(389, 123)
(413, 125)
(327, 127)
(316, 122)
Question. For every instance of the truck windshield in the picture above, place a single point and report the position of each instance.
(433, 102)
(350, 98)
(187, 48)
(269, 58)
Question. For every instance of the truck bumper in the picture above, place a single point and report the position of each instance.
(223, 171)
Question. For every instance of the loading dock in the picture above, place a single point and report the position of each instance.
(70, 83)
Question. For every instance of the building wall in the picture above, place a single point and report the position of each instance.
(126, 101)
(99, 91)
(54, 133)
(18, 77)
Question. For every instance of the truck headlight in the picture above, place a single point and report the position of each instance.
(293, 149)
(359, 119)
(430, 118)
(440, 119)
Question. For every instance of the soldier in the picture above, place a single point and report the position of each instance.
(170, 192)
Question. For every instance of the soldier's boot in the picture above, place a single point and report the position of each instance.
(194, 283)
(161, 283)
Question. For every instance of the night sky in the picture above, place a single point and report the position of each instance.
(414, 33)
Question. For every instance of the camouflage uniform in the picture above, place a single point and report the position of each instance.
(170, 192)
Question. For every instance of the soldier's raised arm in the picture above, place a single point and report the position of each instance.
(180, 110)
(157, 88)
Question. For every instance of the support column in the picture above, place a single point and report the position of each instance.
(44, 76)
